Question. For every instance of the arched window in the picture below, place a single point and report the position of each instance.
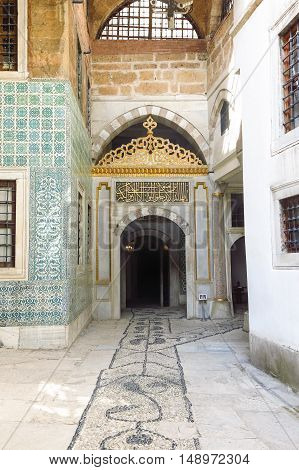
(138, 19)
(224, 117)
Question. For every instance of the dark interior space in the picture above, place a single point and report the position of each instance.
(151, 272)
(239, 276)
(148, 285)
(166, 278)
(145, 266)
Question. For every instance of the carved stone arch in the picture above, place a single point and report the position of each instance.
(163, 115)
(149, 211)
(223, 95)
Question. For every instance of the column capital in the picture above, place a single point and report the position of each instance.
(218, 194)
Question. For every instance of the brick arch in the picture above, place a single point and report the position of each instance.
(223, 95)
(149, 211)
(163, 115)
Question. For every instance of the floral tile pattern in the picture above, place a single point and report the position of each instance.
(41, 127)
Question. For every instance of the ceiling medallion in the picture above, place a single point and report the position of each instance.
(174, 6)
(149, 155)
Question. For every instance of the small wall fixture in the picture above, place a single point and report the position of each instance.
(174, 6)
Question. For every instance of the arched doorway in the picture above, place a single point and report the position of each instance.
(169, 169)
(153, 268)
(239, 276)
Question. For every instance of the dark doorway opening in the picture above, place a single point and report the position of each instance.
(239, 276)
(153, 266)
(147, 274)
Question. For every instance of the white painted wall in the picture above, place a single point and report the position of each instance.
(225, 150)
(270, 158)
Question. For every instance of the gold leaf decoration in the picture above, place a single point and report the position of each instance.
(150, 155)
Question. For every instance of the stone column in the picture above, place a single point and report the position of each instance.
(202, 234)
(221, 306)
(103, 268)
(104, 250)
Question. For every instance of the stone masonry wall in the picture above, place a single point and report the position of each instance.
(47, 39)
(52, 44)
(220, 51)
(149, 74)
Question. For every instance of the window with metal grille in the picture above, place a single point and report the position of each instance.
(7, 223)
(290, 224)
(139, 20)
(290, 69)
(79, 72)
(227, 6)
(237, 210)
(88, 106)
(80, 228)
(224, 117)
(8, 35)
(89, 233)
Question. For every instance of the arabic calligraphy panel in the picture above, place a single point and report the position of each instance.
(136, 192)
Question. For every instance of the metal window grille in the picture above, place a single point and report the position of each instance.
(79, 72)
(8, 35)
(227, 6)
(290, 69)
(7, 223)
(88, 106)
(80, 228)
(139, 20)
(89, 233)
(290, 224)
(237, 210)
(224, 117)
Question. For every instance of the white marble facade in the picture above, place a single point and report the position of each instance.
(193, 217)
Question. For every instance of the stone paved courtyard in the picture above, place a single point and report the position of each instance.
(153, 380)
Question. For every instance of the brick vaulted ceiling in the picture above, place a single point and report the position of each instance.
(206, 14)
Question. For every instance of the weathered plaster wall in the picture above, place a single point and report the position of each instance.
(270, 161)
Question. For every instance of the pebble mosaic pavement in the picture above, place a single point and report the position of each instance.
(144, 387)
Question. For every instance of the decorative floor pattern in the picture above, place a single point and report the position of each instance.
(140, 402)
